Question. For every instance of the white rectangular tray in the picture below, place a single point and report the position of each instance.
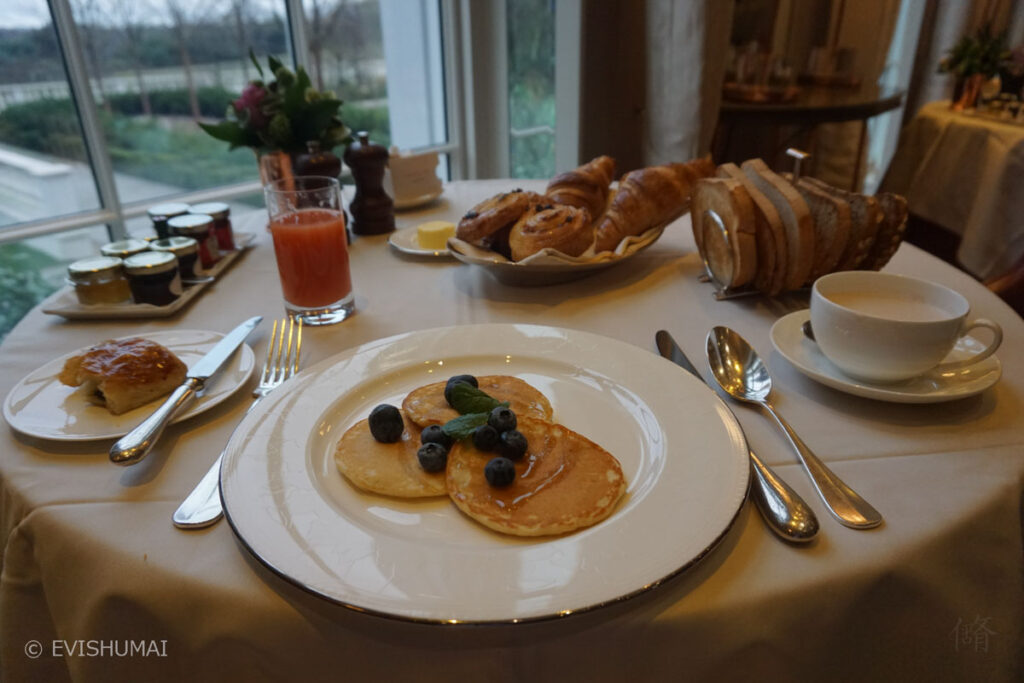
(65, 303)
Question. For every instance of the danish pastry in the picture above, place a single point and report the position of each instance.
(482, 225)
(561, 227)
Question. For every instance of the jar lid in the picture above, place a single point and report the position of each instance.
(124, 248)
(150, 263)
(175, 245)
(167, 209)
(191, 224)
(215, 209)
(95, 269)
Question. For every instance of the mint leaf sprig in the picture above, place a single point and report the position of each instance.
(468, 399)
(474, 406)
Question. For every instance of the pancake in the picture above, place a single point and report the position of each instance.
(427, 405)
(563, 483)
(388, 468)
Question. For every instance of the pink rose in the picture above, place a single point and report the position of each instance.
(250, 100)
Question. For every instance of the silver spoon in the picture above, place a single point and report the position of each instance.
(782, 508)
(743, 375)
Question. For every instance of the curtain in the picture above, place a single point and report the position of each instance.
(687, 44)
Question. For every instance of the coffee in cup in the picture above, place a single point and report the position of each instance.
(882, 327)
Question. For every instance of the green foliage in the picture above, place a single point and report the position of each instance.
(983, 53)
(49, 126)
(21, 282)
(282, 114)
(531, 65)
(374, 120)
(174, 102)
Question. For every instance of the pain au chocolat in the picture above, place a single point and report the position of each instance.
(124, 374)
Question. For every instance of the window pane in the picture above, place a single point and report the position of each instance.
(384, 59)
(156, 68)
(531, 88)
(44, 169)
(30, 270)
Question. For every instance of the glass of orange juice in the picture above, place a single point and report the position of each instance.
(307, 225)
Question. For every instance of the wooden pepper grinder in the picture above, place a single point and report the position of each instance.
(373, 211)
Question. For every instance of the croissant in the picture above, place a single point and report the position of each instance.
(585, 187)
(564, 228)
(649, 197)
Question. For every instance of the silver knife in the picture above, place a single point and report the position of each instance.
(134, 446)
(783, 509)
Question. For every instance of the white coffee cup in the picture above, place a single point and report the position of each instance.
(882, 327)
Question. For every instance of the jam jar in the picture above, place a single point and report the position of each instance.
(153, 277)
(161, 213)
(99, 280)
(221, 214)
(186, 250)
(200, 228)
(124, 248)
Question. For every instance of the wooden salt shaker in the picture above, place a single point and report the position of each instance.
(373, 211)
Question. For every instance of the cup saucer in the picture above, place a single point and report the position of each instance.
(931, 387)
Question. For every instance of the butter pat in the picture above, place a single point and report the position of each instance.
(434, 234)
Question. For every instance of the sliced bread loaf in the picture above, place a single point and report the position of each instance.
(770, 235)
(732, 257)
(796, 219)
(831, 227)
(865, 218)
(890, 232)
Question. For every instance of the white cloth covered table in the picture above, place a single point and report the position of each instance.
(966, 173)
(934, 594)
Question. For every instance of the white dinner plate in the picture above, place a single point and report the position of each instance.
(682, 451)
(406, 240)
(39, 405)
(931, 387)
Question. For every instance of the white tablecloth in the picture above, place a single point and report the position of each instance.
(934, 594)
(965, 173)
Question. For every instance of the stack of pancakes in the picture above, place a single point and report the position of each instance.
(563, 483)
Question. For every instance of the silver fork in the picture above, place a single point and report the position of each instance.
(202, 507)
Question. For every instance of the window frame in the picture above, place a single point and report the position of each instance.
(475, 56)
(113, 213)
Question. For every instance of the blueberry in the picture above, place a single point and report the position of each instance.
(485, 438)
(500, 472)
(502, 419)
(452, 381)
(432, 456)
(434, 434)
(512, 444)
(386, 423)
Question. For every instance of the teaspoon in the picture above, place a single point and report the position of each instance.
(781, 507)
(743, 375)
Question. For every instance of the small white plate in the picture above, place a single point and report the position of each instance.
(416, 202)
(406, 241)
(682, 451)
(932, 387)
(39, 405)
